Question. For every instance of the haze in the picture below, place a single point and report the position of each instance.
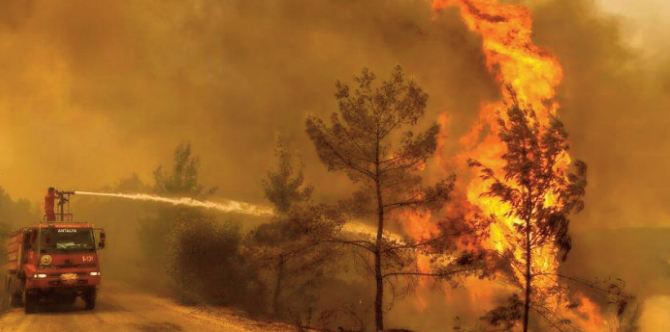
(92, 92)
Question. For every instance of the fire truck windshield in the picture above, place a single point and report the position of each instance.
(66, 239)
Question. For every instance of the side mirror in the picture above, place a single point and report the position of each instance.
(28, 238)
(101, 243)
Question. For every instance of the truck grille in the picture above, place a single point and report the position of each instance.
(59, 283)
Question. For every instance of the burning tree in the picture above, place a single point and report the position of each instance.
(529, 185)
(539, 193)
(360, 142)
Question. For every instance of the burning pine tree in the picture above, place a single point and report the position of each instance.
(538, 194)
(528, 183)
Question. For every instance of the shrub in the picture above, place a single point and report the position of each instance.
(208, 266)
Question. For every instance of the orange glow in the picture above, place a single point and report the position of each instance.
(527, 75)
(419, 227)
(511, 56)
(591, 318)
(525, 72)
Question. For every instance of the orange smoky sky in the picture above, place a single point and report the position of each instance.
(93, 91)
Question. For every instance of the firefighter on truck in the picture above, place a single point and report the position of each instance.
(56, 260)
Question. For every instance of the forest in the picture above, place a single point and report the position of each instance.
(342, 265)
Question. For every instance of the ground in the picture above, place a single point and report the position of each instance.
(121, 308)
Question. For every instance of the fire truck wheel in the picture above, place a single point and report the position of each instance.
(15, 300)
(31, 302)
(11, 299)
(69, 300)
(7, 300)
(8, 296)
(89, 299)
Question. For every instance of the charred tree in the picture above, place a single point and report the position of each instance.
(365, 140)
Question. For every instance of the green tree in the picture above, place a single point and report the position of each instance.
(295, 244)
(157, 234)
(184, 176)
(365, 141)
(285, 187)
(531, 174)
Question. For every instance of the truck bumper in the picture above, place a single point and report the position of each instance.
(57, 285)
(58, 294)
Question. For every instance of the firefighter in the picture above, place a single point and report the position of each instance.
(49, 205)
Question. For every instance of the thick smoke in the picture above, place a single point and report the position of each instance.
(613, 98)
(91, 90)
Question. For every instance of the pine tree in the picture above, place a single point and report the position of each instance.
(541, 193)
(365, 140)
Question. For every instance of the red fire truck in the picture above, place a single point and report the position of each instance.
(55, 260)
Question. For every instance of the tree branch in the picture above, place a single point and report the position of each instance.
(367, 245)
(427, 274)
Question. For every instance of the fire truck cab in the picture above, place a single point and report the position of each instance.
(55, 260)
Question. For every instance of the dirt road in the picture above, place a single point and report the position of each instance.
(121, 309)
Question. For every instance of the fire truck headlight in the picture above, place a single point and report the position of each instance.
(39, 275)
(94, 274)
(46, 260)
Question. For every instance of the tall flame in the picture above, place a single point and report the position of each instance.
(529, 76)
(511, 56)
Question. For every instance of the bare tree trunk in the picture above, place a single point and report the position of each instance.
(528, 277)
(278, 285)
(379, 298)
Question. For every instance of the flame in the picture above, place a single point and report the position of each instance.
(590, 311)
(526, 74)
(529, 76)
(420, 227)
(511, 56)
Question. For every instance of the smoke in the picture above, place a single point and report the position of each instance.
(656, 314)
(92, 91)
(611, 98)
(228, 206)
